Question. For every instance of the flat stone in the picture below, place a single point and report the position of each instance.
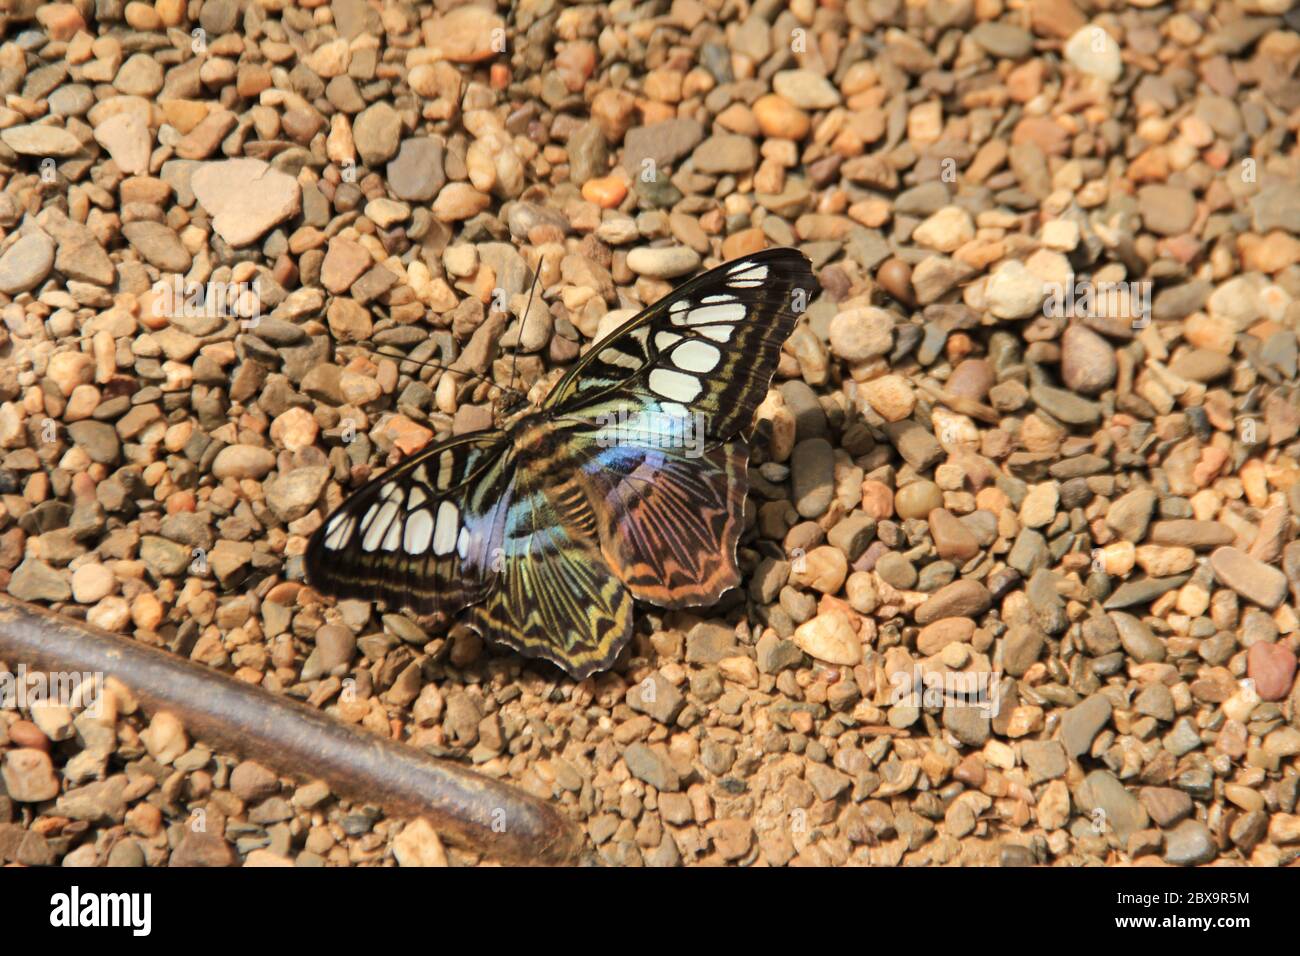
(857, 335)
(662, 143)
(34, 580)
(970, 724)
(1138, 641)
(830, 637)
(1021, 647)
(1166, 210)
(1189, 533)
(1088, 362)
(651, 766)
(416, 172)
(1201, 365)
(1156, 701)
(1130, 514)
(377, 132)
(127, 138)
(725, 153)
(1045, 759)
(806, 89)
(1013, 292)
(935, 636)
(1066, 406)
(663, 262)
(915, 443)
(243, 461)
(26, 263)
(1003, 39)
(964, 598)
(29, 775)
(1272, 667)
(1189, 844)
(1143, 591)
(656, 697)
(41, 140)
(158, 245)
(813, 476)
(1092, 50)
(1165, 805)
(1082, 722)
(952, 539)
(1252, 579)
(776, 654)
(1120, 811)
(245, 198)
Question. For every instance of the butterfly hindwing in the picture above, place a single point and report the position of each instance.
(667, 397)
(671, 521)
(421, 534)
(553, 596)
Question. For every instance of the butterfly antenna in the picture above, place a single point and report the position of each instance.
(399, 357)
(514, 359)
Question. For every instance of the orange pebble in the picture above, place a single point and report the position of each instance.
(179, 501)
(606, 192)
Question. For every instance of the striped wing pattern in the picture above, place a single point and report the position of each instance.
(671, 522)
(553, 594)
(421, 534)
(630, 481)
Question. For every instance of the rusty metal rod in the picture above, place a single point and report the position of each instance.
(497, 819)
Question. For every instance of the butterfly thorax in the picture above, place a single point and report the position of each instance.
(534, 434)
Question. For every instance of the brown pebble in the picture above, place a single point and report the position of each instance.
(895, 277)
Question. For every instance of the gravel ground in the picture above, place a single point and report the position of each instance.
(1040, 429)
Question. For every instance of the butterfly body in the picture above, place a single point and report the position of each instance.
(628, 482)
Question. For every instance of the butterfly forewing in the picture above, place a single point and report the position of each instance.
(420, 535)
(553, 595)
(709, 347)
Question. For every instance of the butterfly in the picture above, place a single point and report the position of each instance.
(627, 482)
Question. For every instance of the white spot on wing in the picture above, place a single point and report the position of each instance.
(376, 522)
(696, 356)
(462, 543)
(666, 340)
(719, 333)
(393, 539)
(675, 409)
(614, 356)
(419, 532)
(747, 273)
(444, 532)
(335, 533)
(730, 312)
(674, 385)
